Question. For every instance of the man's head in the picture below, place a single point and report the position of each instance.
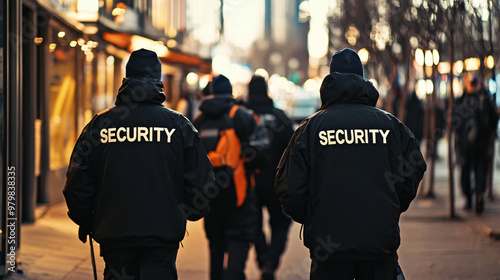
(221, 86)
(143, 64)
(346, 61)
(257, 86)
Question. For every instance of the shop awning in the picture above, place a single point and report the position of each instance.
(169, 56)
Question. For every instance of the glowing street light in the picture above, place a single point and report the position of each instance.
(419, 57)
(192, 78)
(428, 58)
(458, 68)
(429, 86)
(435, 56)
(489, 62)
(472, 64)
(364, 55)
(444, 67)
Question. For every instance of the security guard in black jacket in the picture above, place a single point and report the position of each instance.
(348, 173)
(276, 131)
(137, 173)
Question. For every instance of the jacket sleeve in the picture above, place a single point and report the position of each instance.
(287, 132)
(292, 176)
(81, 181)
(198, 175)
(411, 169)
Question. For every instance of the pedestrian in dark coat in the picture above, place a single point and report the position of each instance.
(348, 173)
(277, 130)
(414, 118)
(475, 122)
(230, 224)
(136, 175)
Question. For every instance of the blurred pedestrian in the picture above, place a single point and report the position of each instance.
(414, 117)
(348, 173)
(276, 133)
(230, 224)
(185, 104)
(475, 119)
(133, 177)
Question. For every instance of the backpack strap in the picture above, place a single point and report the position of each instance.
(233, 111)
(256, 118)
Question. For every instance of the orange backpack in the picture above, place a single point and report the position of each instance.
(228, 153)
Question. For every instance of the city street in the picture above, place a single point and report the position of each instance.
(433, 246)
(128, 104)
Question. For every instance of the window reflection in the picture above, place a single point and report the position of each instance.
(87, 110)
(61, 98)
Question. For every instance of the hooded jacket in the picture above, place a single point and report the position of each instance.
(475, 121)
(138, 171)
(224, 218)
(348, 173)
(279, 130)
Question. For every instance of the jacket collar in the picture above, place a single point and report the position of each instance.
(256, 102)
(339, 88)
(216, 105)
(140, 90)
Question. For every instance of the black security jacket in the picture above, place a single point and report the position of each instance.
(279, 130)
(349, 188)
(138, 171)
(475, 120)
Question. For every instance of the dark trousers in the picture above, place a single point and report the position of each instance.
(237, 252)
(349, 270)
(136, 263)
(268, 254)
(476, 162)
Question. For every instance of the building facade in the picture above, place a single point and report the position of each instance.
(61, 62)
(283, 49)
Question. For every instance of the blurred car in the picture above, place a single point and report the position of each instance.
(302, 104)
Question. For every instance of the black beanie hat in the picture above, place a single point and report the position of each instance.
(346, 61)
(257, 86)
(221, 85)
(143, 64)
(206, 90)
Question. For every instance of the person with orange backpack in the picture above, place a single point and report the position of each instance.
(231, 222)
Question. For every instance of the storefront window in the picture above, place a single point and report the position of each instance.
(2, 41)
(2, 48)
(110, 80)
(1, 75)
(101, 99)
(87, 110)
(61, 95)
(2, 134)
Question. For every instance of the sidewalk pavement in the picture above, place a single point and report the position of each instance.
(433, 245)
